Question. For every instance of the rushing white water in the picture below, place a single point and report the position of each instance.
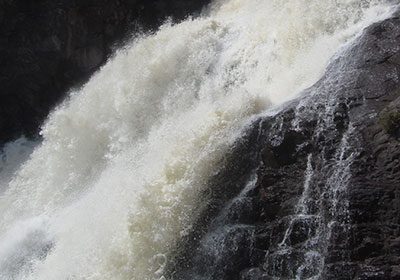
(118, 178)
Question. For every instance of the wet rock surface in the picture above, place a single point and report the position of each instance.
(47, 47)
(354, 183)
(326, 198)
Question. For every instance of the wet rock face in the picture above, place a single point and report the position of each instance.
(353, 173)
(47, 47)
(326, 200)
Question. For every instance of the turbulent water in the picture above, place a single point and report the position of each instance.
(122, 173)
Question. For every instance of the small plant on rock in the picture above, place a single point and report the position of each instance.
(390, 121)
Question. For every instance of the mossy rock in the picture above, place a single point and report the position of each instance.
(390, 120)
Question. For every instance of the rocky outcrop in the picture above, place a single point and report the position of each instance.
(350, 188)
(47, 47)
(326, 198)
(353, 176)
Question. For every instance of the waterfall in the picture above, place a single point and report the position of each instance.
(125, 166)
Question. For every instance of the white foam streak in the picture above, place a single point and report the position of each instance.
(124, 160)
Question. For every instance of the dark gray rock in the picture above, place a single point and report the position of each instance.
(365, 243)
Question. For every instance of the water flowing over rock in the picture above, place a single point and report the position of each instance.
(257, 141)
(325, 201)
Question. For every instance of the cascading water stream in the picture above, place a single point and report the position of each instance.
(123, 171)
(310, 227)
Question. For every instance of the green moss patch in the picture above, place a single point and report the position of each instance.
(390, 121)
